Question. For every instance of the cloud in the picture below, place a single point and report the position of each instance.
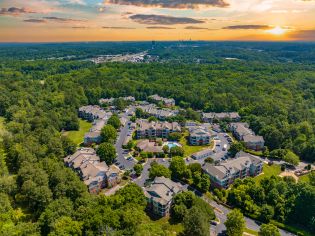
(35, 21)
(249, 27)
(180, 4)
(116, 27)
(303, 35)
(160, 27)
(60, 20)
(163, 20)
(191, 27)
(15, 11)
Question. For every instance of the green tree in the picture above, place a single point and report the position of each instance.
(138, 169)
(266, 213)
(235, 223)
(106, 152)
(108, 133)
(291, 158)
(177, 151)
(235, 148)
(268, 230)
(178, 167)
(114, 121)
(195, 223)
(152, 118)
(175, 136)
(66, 226)
(158, 170)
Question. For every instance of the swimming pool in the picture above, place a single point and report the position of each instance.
(171, 144)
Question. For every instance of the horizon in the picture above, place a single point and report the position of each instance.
(142, 20)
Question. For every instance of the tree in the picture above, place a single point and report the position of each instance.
(268, 230)
(138, 169)
(66, 226)
(204, 183)
(195, 223)
(120, 103)
(108, 133)
(235, 148)
(178, 167)
(175, 136)
(114, 121)
(152, 118)
(266, 213)
(158, 170)
(69, 147)
(291, 158)
(235, 223)
(166, 149)
(106, 152)
(177, 151)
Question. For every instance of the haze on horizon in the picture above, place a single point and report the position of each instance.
(130, 20)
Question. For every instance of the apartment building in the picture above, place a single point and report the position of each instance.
(159, 129)
(166, 101)
(242, 166)
(199, 136)
(213, 117)
(95, 174)
(243, 133)
(160, 195)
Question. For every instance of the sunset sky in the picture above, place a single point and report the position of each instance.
(129, 20)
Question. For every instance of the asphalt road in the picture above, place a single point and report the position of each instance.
(120, 151)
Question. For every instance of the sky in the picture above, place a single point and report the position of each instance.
(135, 20)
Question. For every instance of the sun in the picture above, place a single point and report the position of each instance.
(277, 30)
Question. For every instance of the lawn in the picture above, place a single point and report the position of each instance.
(78, 135)
(250, 231)
(188, 149)
(269, 171)
(2, 129)
(304, 178)
(170, 228)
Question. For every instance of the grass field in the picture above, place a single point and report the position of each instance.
(78, 136)
(2, 129)
(191, 149)
(250, 231)
(170, 228)
(304, 179)
(269, 171)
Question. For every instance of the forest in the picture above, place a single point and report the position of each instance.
(39, 99)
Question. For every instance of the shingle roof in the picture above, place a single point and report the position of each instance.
(162, 190)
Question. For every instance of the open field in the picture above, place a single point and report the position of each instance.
(78, 135)
(269, 171)
(170, 228)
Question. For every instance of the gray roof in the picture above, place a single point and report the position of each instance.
(200, 132)
(163, 190)
(222, 115)
(253, 138)
(147, 146)
(158, 125)
(203, 152)
(231, 166)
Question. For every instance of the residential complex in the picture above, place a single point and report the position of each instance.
(243, 133)
(92, 113)
(199, 136)
(160, 195)
(147, 146)
(111, 100)
(202, 154)
(224, 174)
(95, 174)
(94, 135)
(154, 129)
(212, 117)
(160, 113)
(166, 101)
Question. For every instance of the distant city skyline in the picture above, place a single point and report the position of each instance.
(137, 20)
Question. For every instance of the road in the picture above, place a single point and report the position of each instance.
(120, 151)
